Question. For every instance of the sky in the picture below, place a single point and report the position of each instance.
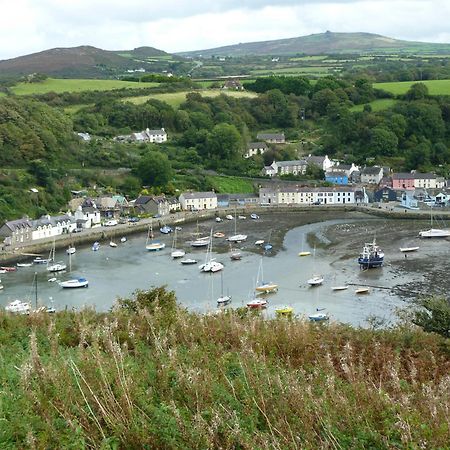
(28, 26)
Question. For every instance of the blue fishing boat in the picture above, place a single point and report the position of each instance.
(371, 256)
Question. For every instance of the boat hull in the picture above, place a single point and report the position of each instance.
(74, 284)
(155, 247)
(370, 263)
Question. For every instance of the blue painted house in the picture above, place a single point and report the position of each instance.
(339, 177)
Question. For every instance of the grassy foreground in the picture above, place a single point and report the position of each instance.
(150, 375)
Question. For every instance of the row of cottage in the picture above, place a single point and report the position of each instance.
(344, 174)
(85, 213)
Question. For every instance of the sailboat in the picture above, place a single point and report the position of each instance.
(434, 232)
(150, 245)
(71, 250)
(200, 241)
(57, 267)
(223, 299)
(236, 237)
(210, 264)
(235, 255)
(337, 287)
(176, 253)
(315, 280)
(111, 242)
(303, 252)
(261, 285)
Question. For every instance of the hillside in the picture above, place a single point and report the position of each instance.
(83, 62)
(324, 43)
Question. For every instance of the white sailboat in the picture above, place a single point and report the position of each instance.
(223, 299)
(408, 249)
(150, 244)
(236, 237)
(210, 264)
(316, 279)
(57, 267)
(302, 251)
(112, 242)
(261, 285)
(176, 253)
(200, 241)
(434, 232)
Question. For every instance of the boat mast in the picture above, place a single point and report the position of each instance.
(35, 290)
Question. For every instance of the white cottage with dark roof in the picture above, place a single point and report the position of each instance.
(195, 201)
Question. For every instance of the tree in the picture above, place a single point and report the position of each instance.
(418, 91)
(383, 142)
(434, 316)
(154, 169)
(224, 142)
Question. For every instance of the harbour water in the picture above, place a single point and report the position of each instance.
(117, 272)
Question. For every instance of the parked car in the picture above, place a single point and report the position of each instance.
(111, 223)
(134, 219)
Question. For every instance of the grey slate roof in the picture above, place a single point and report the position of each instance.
(253, 145)
(195, 195)
(371, 170)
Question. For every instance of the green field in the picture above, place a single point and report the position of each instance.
(73, 85)
(435, 87)
(231, 185)
(175, 99)
(377, 105)
(310, 70)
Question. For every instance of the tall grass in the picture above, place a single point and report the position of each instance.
(151, 375)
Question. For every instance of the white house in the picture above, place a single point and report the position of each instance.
(157, 136)
(255, 148)
(87, 217)
(271, 170)
(49, 226)
(371, 175)
(336, 195)
(195, 201)
(323, 162)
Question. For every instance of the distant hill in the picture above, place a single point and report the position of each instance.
(83, 62)
(323, 43)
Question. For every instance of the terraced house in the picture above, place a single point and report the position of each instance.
(294, 195)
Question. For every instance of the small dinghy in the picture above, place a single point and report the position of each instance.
(362, 290)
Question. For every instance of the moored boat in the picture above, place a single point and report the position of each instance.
(8, 268)
(165, 229)
(24, 264)
(40, 260)
(254, 216)
(123, 239)
(58, 267)
(71, 250)
(95, 246)
(362, 290)
(371, 256)
(408, 249)
(339, 288)
(188, 261)
(284, 311)
(74, 283)
(318, 317)
(315, 280)
(257, 303)
(219, 234)
(18, 307)
(434, 233)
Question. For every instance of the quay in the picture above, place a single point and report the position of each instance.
(90, 235)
